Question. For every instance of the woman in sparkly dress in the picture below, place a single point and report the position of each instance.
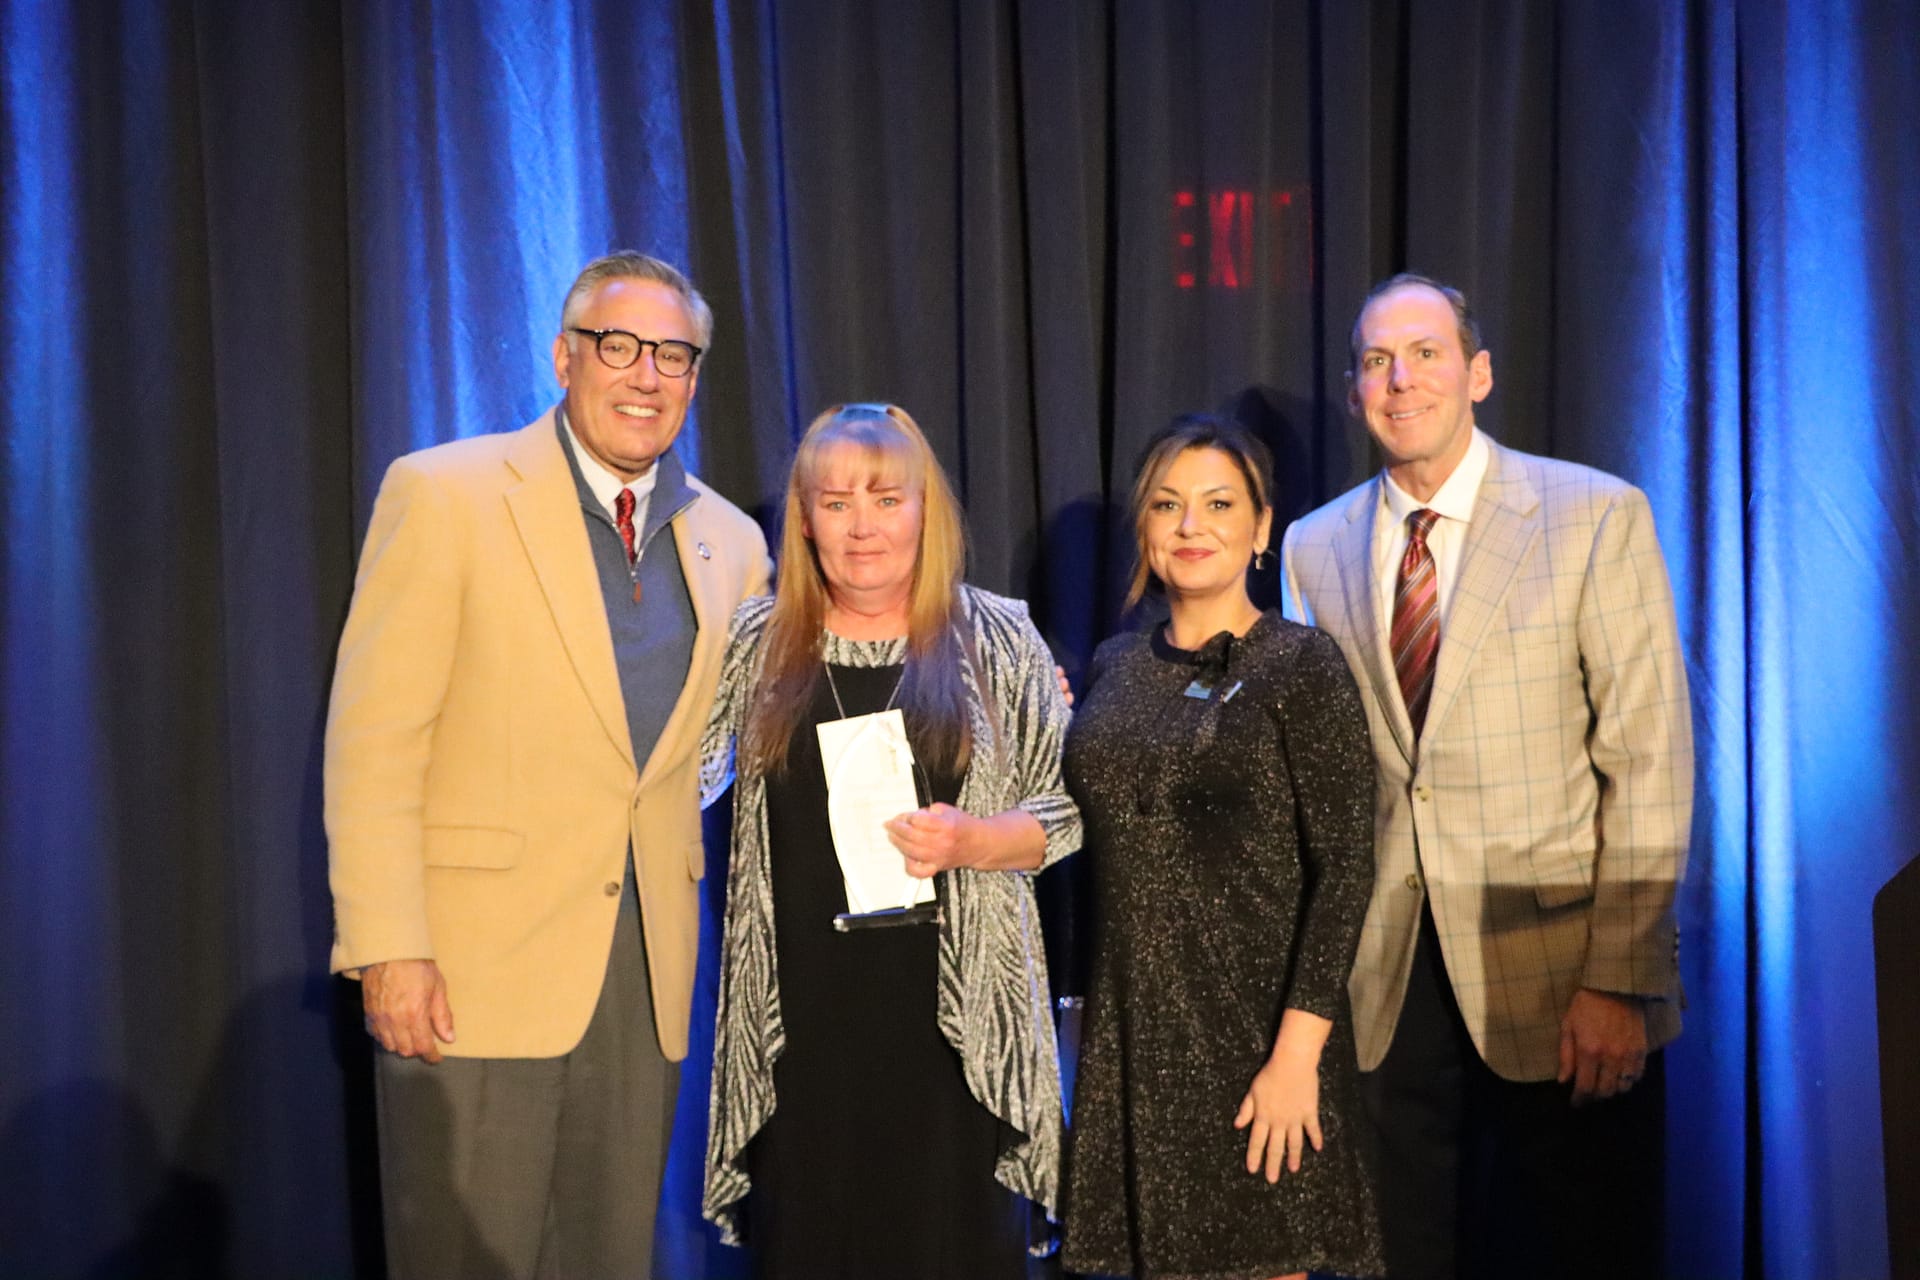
(886, 1091)
(1222, 767)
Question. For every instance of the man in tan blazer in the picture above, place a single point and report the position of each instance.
(511, 797)
(1510, 624)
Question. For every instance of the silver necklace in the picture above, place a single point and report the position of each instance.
(841, 706)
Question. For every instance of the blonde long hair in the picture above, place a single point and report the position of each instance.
(932, 690)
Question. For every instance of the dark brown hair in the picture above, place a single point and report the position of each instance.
(1193, 431)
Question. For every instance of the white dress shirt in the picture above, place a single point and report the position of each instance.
(1454, 503)
(606, 486)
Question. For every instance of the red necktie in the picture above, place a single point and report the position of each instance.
(623, 519)
(623, 505)
(1415, 637)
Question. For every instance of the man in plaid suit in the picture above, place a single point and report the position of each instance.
(1509, 621)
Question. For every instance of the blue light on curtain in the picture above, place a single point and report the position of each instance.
(51, 601)
(493, 150)
(1830, 277)
(65, 1048)
(1648, 367)
(1695, 479)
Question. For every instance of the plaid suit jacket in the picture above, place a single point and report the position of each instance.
(1545, 809)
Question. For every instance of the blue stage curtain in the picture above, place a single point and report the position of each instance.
(251, 253)
(1830, 275)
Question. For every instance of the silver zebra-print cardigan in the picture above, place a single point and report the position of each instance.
(993, 1001)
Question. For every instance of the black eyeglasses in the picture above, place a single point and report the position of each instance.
(618, 349)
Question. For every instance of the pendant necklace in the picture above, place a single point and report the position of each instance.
(841, 706)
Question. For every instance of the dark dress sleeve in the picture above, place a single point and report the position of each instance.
(1096, 666)
(1328, 758)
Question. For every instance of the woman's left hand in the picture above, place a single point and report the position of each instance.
(1281, 1112)
(933, 839)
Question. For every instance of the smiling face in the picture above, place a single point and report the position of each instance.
(1414, 386)
(864, 519)
(1201, 527)
(626, 418)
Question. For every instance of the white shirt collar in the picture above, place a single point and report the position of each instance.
(606, 486)
(1455, 498)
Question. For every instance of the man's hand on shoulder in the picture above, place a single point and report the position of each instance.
(406, 1007)
(1603, 1044)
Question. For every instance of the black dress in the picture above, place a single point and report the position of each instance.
(1230, 840)
(877, 1161)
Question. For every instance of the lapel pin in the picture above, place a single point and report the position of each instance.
(1203, 691)
(705, 552)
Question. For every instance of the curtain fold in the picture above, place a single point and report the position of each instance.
(1829, 271)
(250, 254)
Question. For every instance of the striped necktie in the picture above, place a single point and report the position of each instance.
(1415, 637)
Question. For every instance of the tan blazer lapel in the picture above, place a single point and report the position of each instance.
(546, 512)
(1506, 521)
(1353, 551)
(712, 610)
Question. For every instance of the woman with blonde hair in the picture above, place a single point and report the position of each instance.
(884, 1075)
(1223, 767)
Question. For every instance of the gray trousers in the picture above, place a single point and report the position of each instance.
(533, 1168)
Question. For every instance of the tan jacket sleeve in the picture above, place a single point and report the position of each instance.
(395, 659)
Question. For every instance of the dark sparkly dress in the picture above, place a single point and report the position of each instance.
(1230, 842)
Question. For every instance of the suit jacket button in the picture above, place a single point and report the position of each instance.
(1423, 793)
(613, 888)
(1413, 881)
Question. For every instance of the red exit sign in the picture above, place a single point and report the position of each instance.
(1236, 239)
